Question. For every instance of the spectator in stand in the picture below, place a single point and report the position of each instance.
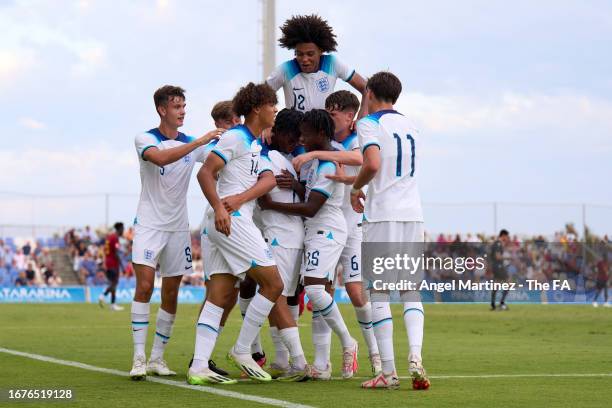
(53, 280)
(31, 274)
(27, 248)
(87, 267)
(22, 280)
(99, 279)
(5, 279)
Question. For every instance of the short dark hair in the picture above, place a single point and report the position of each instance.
(504, 233)
(308, 29)
(288, 122)
(118, 226)
(385, 86)
(320, 121)
(222, 111)
(167, 92)
(252, 96)
(341, 101)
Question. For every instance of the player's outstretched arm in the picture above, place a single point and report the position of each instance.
(369, 168)
(341, 176)
(264, 185)
(308, 209)
(350, 158)
(359, 83)
(164, 157)
(208, 184)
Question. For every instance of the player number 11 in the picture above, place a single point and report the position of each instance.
(398, 166)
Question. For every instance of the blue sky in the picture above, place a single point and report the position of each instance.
(513, 100)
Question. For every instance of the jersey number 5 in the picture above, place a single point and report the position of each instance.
(398, 165)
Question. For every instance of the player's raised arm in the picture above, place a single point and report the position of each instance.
(349, 158)
(164, 157)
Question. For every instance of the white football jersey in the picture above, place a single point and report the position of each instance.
(163, 196)
(304, 91)
(393, 194)
(281, 229)
(329, 218)
(240, 150)
(352, 218)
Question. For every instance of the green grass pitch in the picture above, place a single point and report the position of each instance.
(460, 340)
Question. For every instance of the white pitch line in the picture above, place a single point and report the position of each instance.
(209, 390)
(450, 377)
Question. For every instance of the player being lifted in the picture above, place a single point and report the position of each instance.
(311, 76)
(161, 230)
(325, 236)
(236, 245)
(343, 106)
(284, 234)
(392, 214)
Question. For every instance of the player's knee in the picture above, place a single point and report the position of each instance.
(145, 288)
(276, 286)
(318, 295)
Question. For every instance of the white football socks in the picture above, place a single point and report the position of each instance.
(323, 303)
(383, 330)
(207, 331)
(255, 316)
(243, 304)
(295, 312)
(163, 331)
(414, 319)
(321, 339)
(140, 324)
(364, 317)
(291, 339)
(281, 357)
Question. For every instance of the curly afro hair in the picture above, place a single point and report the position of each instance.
(320, 121)
(251, 96)
(288, 122)
(308, 29)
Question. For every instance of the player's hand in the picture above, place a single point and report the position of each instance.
(285, 180)
(232, 203)
(213, 134)
(266, 136)
(341, 175)
(299, 161)
(264, 201)
(357, 200)
(223, 221)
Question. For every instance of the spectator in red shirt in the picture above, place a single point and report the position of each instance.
(602, 280)
(112, 265)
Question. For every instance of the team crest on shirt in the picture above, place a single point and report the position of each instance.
(187, 158)
(269, 253)
(322, 84)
